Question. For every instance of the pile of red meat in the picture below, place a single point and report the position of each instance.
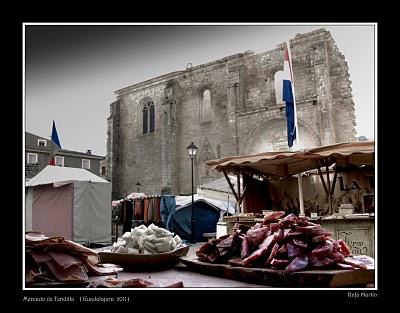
(290, 243)
(55, 259)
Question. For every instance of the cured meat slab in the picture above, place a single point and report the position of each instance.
(281, 278)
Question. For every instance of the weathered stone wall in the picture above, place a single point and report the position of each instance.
(113, 152)
(247, 114)
(329, 72)
(140, 154)
(213, 138)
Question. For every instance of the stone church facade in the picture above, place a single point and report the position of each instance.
(227, 107)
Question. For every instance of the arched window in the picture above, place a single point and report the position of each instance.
(152, 117)
(145, 120)
(149, 117)
(205, 108)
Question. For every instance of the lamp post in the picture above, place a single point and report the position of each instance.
(192, 151)
(138, 186)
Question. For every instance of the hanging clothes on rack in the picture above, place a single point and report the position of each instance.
(150, 211)
(138, 209)
(146, 205)
(127, 215)
(146, 210)
(157, 201)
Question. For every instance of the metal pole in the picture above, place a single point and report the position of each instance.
(193, 233)
(301, 200)
(228, 202)
(238, 199)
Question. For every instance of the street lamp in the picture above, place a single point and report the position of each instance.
(192, 151)
(138, 186)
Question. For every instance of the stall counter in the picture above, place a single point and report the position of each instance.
(357, 232)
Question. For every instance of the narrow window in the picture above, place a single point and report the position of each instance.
(145, 120)
(205, 111)
(32, 158)
(152, 117)
(278, 78)
(59, 161)
(86, 164)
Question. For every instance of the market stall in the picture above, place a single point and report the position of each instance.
(337, 187)
(283, 251)
(69, 202)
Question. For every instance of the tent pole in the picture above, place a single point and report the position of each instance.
(329, 186)
(242, 196)
(301, 199)
(238, 184)
(299, 175)
(334, 183)
(327, 189)
(230, 185)
(322, 177)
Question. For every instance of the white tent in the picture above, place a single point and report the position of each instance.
(69, 202)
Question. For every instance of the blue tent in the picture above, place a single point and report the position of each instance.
(207, 213)
(206, 219)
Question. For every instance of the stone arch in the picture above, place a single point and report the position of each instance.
(144, 101)
(206, 152)
(271, 136)
(305, 124)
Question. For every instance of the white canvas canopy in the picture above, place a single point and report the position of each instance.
(69, 202)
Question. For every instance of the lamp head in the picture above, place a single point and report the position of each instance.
(192, 150)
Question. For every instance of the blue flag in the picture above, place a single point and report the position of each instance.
(54, 136)
(287, 96)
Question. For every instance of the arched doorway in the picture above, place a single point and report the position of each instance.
(272, 136)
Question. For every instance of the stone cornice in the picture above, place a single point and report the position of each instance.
(148, 83)
(210, 66)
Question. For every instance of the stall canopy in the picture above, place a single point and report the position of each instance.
(69, 202)
(284, 164)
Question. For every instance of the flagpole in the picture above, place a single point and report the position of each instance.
(55, 144)
(296, 144)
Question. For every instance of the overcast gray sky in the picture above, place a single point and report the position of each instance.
(72, 71)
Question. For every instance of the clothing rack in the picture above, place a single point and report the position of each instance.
(141, 210)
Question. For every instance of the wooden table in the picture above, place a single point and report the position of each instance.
(282, 278)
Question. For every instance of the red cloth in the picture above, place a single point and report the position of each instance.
(138, 212)
(157, 202)
(256, 198)
(146, 209)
